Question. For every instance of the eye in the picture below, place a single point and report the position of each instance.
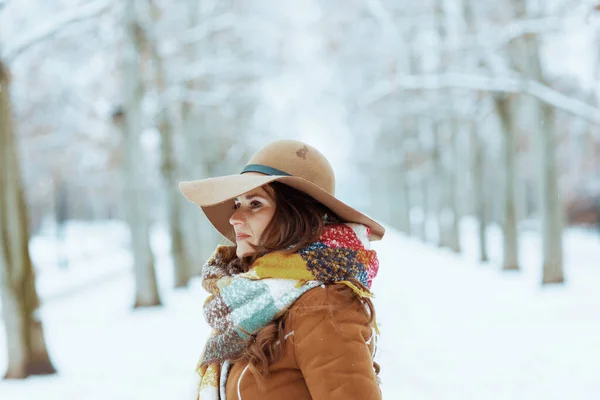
(253, 204)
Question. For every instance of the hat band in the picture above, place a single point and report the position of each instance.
(263, 169)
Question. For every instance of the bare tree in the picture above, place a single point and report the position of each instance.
(135, 189)
(542, 116)
(192, 164)
(445, 137)
(478, 188)
(27, 353)
(168, 166)
(509, 225)
(393, 187)
(454, 185)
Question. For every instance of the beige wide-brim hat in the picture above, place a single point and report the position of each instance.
(291, 162)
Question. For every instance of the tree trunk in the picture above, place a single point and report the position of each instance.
(509, 226)
(181, 262)
(424, 178)
(437, 185)
(60, 218)
(552, 224)
(192, 167)
(442, 178)
(146, 293)
(380, 199)
(406, 210)
(454, 188)
(442, 190)
(424, 186)
(398, 200)
(478, 190)
(26, 346)
(543, 119)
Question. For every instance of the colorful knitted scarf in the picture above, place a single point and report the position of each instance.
(242, 303)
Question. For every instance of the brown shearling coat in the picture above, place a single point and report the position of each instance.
(326, 356)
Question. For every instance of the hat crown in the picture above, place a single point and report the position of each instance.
(297, 159)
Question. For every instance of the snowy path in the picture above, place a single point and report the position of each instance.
(455, 330)
(451, 329)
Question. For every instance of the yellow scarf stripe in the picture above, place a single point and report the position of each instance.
(282, 266)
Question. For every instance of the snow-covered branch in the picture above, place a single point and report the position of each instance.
(383, 16)
(224, 22)
(221, 67)
(494, 39)
(54, 26)
(484, 83)
(200, 32)
(197, 97)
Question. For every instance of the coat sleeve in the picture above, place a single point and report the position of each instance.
(331, 346)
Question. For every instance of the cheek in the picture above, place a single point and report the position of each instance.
(261, 223)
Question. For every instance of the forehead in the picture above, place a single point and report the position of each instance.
(260, 191)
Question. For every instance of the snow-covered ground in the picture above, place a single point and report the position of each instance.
(451, 328)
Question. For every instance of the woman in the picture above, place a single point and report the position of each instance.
(290, 302)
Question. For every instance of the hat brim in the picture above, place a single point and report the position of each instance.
(215, 197)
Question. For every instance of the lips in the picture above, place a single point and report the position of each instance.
(241, 236)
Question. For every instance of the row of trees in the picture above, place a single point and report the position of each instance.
(461, 90)
(449, 101)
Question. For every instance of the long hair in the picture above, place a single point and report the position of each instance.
(297, 222)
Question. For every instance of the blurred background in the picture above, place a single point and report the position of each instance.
(470, 129)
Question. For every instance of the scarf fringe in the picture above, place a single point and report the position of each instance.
(362, 294)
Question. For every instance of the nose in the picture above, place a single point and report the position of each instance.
(236, 218)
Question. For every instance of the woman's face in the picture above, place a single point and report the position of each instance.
(253, 212)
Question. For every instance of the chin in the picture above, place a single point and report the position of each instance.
(244, 250)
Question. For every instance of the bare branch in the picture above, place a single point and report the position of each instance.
(224, 22)
(200, 32)
(492, 39)
(383, 16)
(53, 27)
(197, 97)
(490, 84)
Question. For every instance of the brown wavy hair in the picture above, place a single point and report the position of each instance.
(297, 222)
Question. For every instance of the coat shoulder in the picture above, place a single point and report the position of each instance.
(333, 302)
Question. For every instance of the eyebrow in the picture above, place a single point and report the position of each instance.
(250, 197)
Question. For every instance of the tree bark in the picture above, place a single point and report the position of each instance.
(135, 190)
(181, 262)
(192, 167)
(26, 346)
(439, 187)
(423, 182)
(509, 226)
(552, 216)
(549, 196)
(478, 191)
(454, 189)
(398, 201)
(443, 178)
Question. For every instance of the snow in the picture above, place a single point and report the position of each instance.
(454, 329)
(451, 328)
